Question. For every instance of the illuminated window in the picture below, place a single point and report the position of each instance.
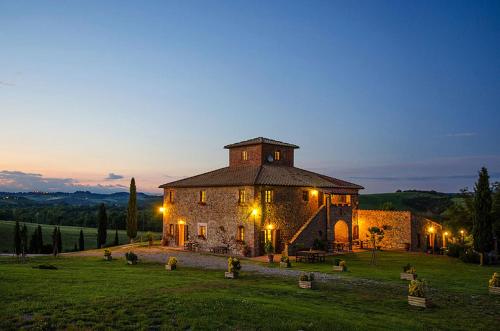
(305, 195)
(244, 155)
(171, 229)
(202, 230)
(277, 155)
(241, 196)
(171, 196)
(203, 196)
(269, 196)
(341, 200)
(241, 233)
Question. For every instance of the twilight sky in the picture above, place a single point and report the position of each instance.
(387, 94)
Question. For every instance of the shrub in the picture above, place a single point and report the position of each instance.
(268, 248)
(285, 259)
(306, 277)
(342, 263)
(233, 265)
(172, 261)
(417, 288)
(336, 261)
(107, 252)
(45, 267)
(495, 280)
(131, 256)
(409, 269)
(455, 250)
(469, 256)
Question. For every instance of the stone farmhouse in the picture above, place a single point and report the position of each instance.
(261, 196)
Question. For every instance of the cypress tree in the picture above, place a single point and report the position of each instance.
(482, 229)
(55, 245)
(102, 226)
(39, 240)
(17, 239)
(117, 242)
(132, 212)
(24, 240)
(59, 240)
(81, 241)
(34, 242)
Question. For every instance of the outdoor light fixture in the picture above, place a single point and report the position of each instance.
(314, 193)
(162, 209)
(181, 222)
(254, 212)
(446, 233)
(431, 229)
(461, 231)
(269, 226)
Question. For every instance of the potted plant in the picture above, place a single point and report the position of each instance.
(409, 272)
(494, 284)
(131, 258)
(171, 264)
(306, 280)
(107, 255)
(416, 294)
(269, 249)
(339, 265)
(233, 268)
(285, 262)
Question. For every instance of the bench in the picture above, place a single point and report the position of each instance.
(219, 250)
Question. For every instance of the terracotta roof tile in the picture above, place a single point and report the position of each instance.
(262, 175)
(261, 140)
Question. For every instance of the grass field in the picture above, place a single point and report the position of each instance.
(440, 271)
(91, 293)
(70, 235)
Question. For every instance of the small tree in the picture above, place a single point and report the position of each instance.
(81, 241)
(375, 235)
(132, 212)
(102, 226)
(39, 240)
(482, 229)
(59, 240)
(24, 241)
(117, 242)
(34, 242)
(55, 244)
(17, 239)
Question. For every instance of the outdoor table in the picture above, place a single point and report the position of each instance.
(310, 256)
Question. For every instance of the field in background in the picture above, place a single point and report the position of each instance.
(70, 235)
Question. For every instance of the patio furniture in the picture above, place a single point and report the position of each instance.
(310, 256)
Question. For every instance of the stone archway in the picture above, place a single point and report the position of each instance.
(341, 231)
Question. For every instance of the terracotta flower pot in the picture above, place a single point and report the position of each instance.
(494, 290)
(419, 302)
(270, 258)
(231, 275)
(407, 276)
(170, 267)
(305, 284)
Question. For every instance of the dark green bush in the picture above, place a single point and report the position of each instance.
(469, 256)
(455, 250)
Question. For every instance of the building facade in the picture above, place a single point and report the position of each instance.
(261, 196)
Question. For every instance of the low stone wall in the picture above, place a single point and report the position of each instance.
(398, 229)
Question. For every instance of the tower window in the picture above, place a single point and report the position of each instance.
(277, 155)
(171, 196)
(244, 155)
(305, 195)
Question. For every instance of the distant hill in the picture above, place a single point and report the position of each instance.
(426, 203)
(79, 198)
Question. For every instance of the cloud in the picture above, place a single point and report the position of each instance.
(113, 176)
(5, 83)
(18, 181)
(461, 134)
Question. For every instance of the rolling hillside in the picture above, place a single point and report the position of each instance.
(70, 235)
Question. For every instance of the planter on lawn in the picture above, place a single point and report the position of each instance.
(170, 267)
(108, 258)
(340, 268)
(407, 276)
(419, 302)
(285, 265)
(231, 275)
(494, 290)
(305, 284)
(131, 262)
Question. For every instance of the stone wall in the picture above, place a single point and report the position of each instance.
(313, 229)
(426, 234)
(285, 214)
(398, 230)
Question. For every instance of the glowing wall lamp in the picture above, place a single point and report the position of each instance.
(162, 210)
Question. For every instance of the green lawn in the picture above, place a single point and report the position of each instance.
(70, 235)
(89, 293)
(441, 272)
